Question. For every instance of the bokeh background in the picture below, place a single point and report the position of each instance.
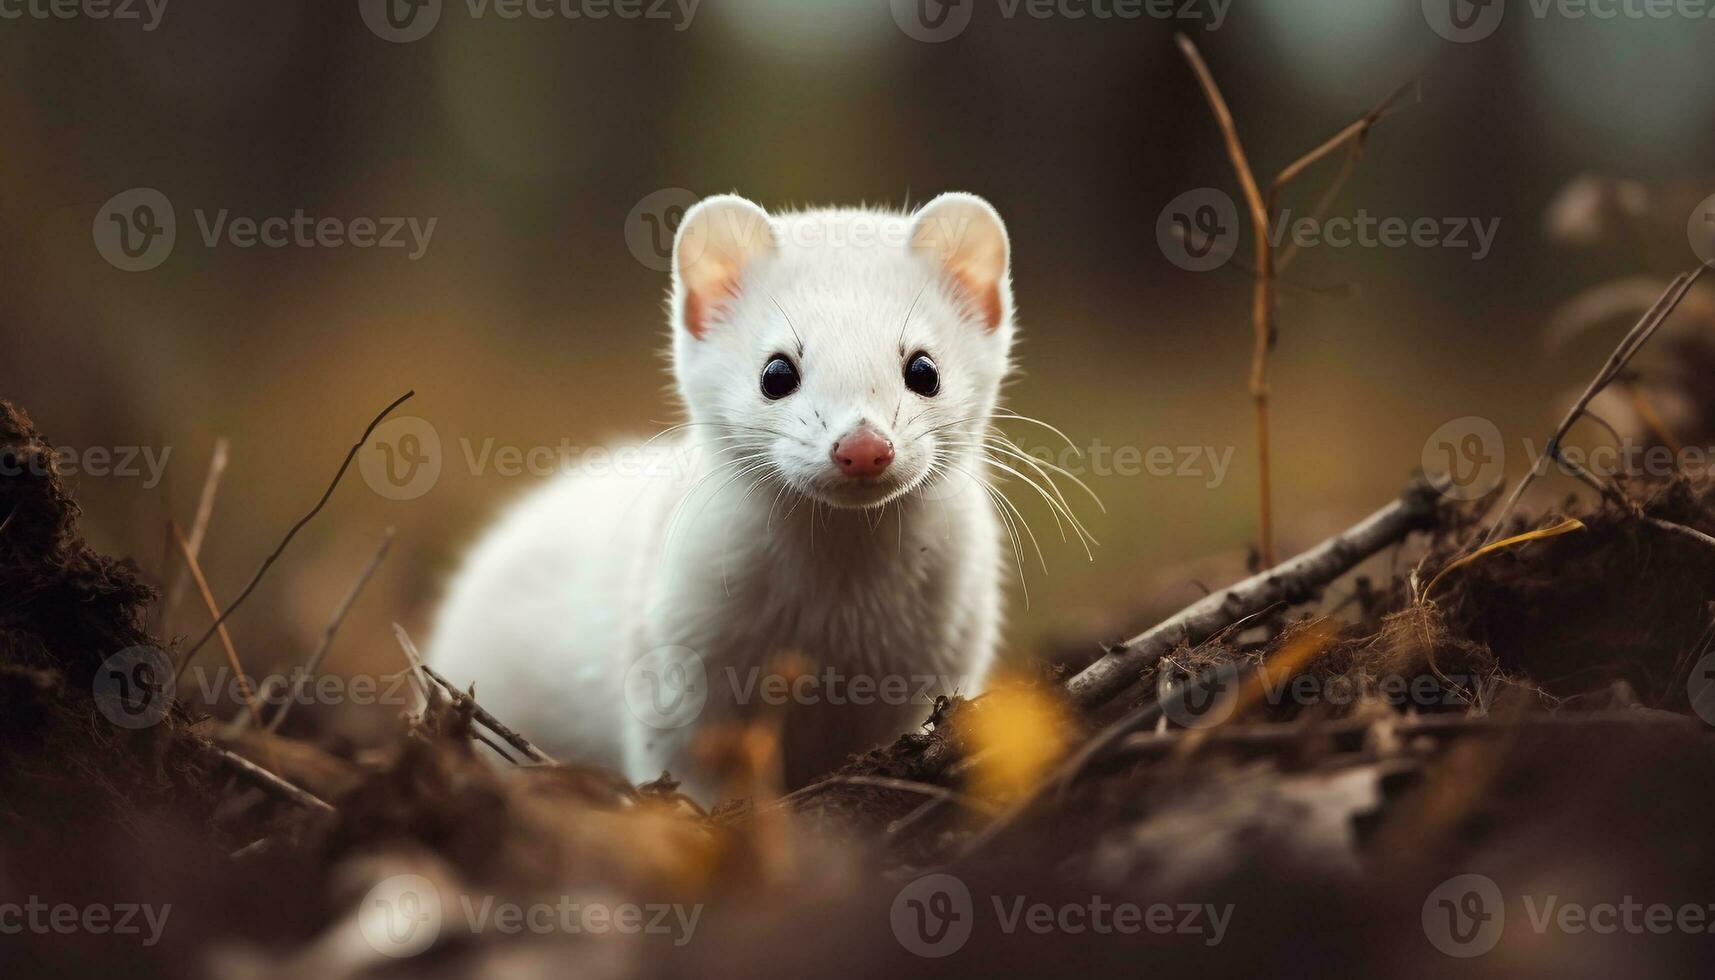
(532, 319)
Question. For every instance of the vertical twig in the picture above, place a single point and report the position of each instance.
(196, 575)
(199, 530)
(1266, 273)
(1262, 293)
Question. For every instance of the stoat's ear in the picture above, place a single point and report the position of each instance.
(966, 239)
(718, 237)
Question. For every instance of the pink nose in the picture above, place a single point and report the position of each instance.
(862, 453)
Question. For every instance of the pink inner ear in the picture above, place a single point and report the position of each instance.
(700, 304)
(985, 297)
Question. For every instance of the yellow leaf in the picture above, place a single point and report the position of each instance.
(1019, 733)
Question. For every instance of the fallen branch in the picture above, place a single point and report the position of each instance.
(1288, 660)
(1293, 582)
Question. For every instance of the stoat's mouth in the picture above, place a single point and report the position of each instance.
(861, 493)
(858, 494)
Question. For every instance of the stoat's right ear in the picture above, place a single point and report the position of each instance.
(718, 237)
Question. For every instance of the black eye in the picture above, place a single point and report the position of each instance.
(921, 376)
(779, 378)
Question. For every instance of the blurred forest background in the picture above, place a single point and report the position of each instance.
(529, 320)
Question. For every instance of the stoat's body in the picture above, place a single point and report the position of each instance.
(825, 500)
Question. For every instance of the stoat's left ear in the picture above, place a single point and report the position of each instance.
(966, 240)
(717, 239)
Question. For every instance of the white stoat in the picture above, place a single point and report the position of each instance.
(827, 498)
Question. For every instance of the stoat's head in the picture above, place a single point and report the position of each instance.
(853, 355)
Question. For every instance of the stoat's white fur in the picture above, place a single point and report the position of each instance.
(586, 611)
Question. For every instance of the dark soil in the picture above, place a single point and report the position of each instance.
(1582, 771)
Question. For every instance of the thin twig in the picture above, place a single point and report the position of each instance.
(1262, 293)
(414, 667)
(484, 739)
(268, 781)
(477, 711)
(315, 664)
(199, 526)
(1689, 533)
(1267, 267)
(1353, 138)
(1610, 493)
(1353, 730)
(317, 509)
(244, 688)
(1629, 345)
(941, 793)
